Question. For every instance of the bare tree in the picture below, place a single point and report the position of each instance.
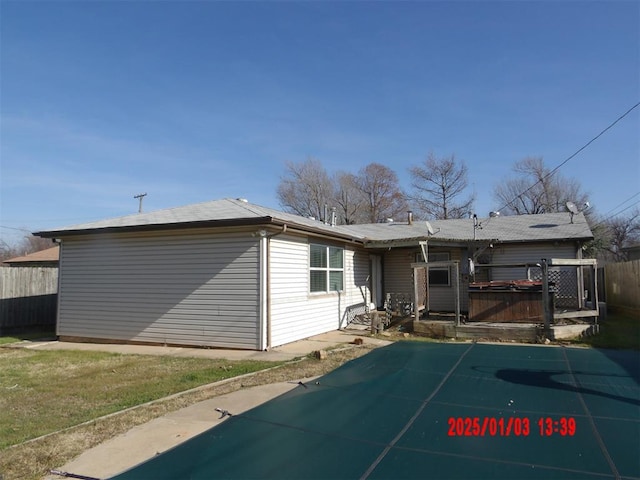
(438, 185)
(371, 196)
(305, 188)
(350, 201)
(7, 251)
(28, 244)
(381, 190)
(621, 232)
(535, 189)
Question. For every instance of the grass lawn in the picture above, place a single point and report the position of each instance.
(45, 391)
(26, 336)
(618, 331)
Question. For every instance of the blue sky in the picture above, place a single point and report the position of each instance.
(195, 101)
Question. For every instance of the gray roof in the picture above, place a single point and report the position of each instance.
(515, 228)
(228, 212)
(225, 212)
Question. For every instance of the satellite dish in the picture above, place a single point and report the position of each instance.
(429, 228)
(572, 209)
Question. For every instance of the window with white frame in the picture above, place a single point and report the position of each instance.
(326, 268)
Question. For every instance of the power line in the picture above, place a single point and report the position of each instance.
(14, 228)
(620, 204)
(595, 138)
(624, 209)
(608, 217)
(572, 155)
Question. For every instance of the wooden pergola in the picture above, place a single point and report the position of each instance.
(421, 287)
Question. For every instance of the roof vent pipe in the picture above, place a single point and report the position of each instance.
(410, 217)
(333, 216)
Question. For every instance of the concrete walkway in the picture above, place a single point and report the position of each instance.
(161, 434)
(286, 352)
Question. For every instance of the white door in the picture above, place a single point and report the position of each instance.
(377, 297)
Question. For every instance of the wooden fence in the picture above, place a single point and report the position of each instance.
(622, 282)
(28, 298)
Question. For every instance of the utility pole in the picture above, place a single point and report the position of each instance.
(140, 196)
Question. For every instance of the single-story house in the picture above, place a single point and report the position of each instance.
(43, 258)
(228, 273)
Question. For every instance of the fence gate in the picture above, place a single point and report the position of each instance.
(575, 287)
(421, 285)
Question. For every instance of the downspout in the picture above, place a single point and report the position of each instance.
(267, 246)
(58, 293)
(263, 272)
(424, 246)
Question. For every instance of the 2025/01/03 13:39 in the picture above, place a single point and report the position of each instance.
(509, 426)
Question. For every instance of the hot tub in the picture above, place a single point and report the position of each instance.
(513, 301)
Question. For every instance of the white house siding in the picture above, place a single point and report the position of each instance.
(191, 287)
(527, 253)
(296, 313)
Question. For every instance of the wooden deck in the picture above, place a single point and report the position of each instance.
(498, 331)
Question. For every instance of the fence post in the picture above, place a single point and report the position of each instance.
(416, 307)
(548, 314)
(457, 270)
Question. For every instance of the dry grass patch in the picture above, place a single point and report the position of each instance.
(45, 391)
(34, 459)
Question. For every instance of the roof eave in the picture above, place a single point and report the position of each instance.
(413, 242)
(320, 232)
(235, 222)
(546, 240)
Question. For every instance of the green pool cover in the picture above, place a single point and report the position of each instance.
(426, 410)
